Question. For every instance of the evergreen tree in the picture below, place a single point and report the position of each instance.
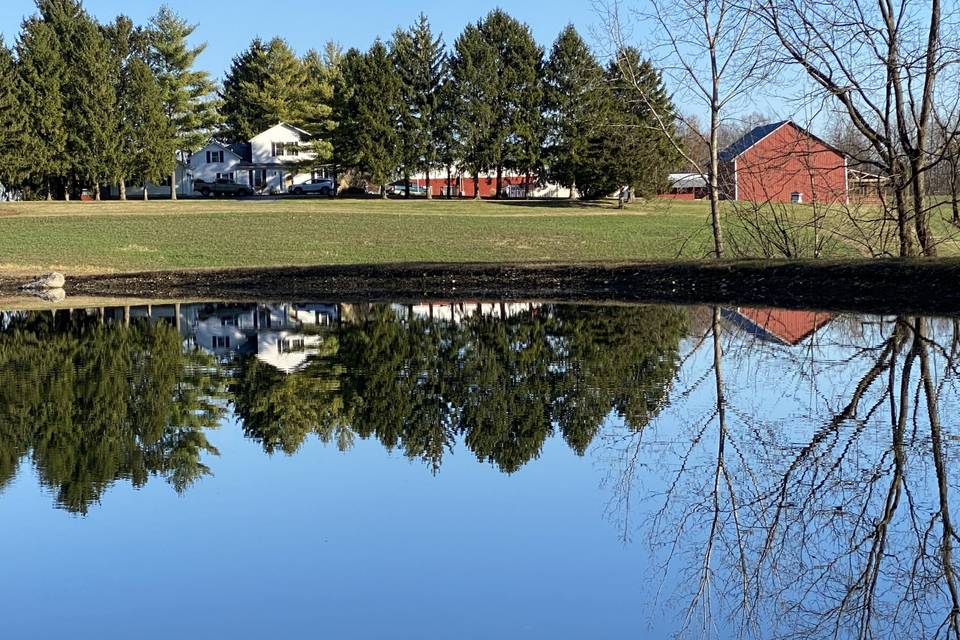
(87, 93)
(518, 97)
(315, 111)
(264, 86)
(152, 140)
(41, 73)
(421, 66)
(498, 67)
(631, 149)
(474, 69)
(574, 103)
(128, 46)
(367, 111)
(11, 124)
(186, 92)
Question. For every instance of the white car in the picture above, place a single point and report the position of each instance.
(321, 186)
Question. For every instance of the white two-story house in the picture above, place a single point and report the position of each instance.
(267, 162)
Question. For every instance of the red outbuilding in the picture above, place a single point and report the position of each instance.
(782, 162)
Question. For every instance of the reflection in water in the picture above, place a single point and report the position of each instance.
(117, 396)
(791, 471)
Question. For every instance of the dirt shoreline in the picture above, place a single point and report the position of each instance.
(876, 286)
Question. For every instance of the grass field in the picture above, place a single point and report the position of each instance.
(88, 237)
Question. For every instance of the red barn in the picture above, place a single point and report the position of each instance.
(782, 162)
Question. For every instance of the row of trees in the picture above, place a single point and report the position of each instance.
(494, 103)
(84, 104)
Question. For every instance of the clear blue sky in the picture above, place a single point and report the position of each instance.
(229, 27)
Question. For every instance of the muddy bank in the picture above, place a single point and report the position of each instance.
(884, 286)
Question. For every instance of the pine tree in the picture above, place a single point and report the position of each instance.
(499, 67)
(474, 69)
(12, 123)
(41, 73)
(186, 92)
(368, 104)
(314, 113)
(631, 148)
(574, 105)
(152, 140)
(265, 85)
(519, 92)
(420, 63)
(87, 91)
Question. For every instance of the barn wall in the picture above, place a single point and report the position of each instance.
(790, 161)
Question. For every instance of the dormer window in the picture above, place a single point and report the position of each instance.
(215, 157)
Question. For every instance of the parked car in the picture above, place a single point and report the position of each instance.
(221, 187)
(399, 188)
(321, 186)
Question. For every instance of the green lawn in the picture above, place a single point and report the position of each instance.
(87, 237)
(124, 236)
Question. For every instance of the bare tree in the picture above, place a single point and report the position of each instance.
(881, 63)
(709, 51)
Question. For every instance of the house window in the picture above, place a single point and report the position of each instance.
(221, 342)
(225, 176)
(281, 149)
(215, 157)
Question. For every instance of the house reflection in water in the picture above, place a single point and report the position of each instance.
(785, 327)
(284, 336)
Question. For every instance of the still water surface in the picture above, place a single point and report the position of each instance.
(477, 471)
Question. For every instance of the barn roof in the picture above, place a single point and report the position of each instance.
(759, 133)
(754, 136)
(783, 326)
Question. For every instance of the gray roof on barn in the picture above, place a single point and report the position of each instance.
(753, 137)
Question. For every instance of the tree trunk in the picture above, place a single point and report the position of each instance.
(49, 190)
(96, 192)
(383, 192)
(429, 190)
(406, 185)
(526, 186)
(954, 194)
(122, 186)
(499, 181)
(573, 191)
(714, 181)
(904, 231)
(173, 185)
(476, 187)
(449, 185)
(921, 218)
(146, 194)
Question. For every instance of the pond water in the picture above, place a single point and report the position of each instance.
(477, 470)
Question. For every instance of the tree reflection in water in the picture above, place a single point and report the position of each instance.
(788, 502)
(95, 402)
(793, 483)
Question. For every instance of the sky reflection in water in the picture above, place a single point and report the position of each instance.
(518, 470)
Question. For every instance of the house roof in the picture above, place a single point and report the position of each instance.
(296, 130)
(687, 181)
(243, 150)
(759, 133)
